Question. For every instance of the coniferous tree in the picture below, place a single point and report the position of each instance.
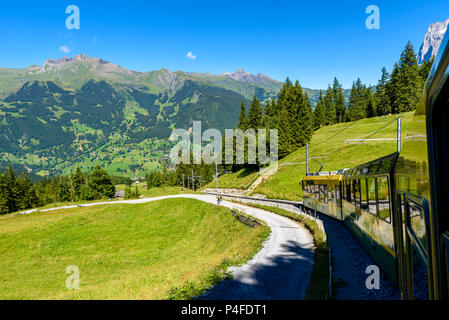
(100, 184)
(381, 96)
(270, 109)
(319, 113)
(243, 119)
(329, 107)
(406, 82)
(370, 103)
(357, 102)
(339, 101)
(255, 116)
(392, 88)
(295, 122)
(77, 182)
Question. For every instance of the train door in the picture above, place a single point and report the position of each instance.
(438, 146)
(398, 219)
(418, 252)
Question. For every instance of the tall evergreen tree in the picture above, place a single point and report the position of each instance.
(329, 107)
(243, 119)
(357, 102)
(319, 113)
(339, 101)
(295, 122)
(407, 84)
(370, 103)
(392, 88)
(255, 116)
(381, 96)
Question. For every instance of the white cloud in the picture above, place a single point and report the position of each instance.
(191, 56)
(95, 40)
(64, 49)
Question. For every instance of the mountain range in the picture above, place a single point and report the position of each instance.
(83, 109)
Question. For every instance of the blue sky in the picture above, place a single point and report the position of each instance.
(311, 41)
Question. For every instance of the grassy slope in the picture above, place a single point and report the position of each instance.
(237, 180)
(330, 142)
(139, 251)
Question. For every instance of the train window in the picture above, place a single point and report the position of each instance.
(323, 193)
(353, 191)
(417, 223)
(385, 165)
(348, 190)
(337, 193)
(383, 195)
(357, 192)
(364, 194)
(372, 199)
(317, 192)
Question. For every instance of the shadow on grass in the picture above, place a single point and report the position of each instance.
(246, 172)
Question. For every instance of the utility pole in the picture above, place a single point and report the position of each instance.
(216, 175)
(399, 134)
(193, 182)
(307, 159)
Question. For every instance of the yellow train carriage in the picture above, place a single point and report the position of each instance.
(323, 194)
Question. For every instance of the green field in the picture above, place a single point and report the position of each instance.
(328, 142)
(238, 180)
(141, 251)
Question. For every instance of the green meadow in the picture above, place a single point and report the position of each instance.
(173, 248)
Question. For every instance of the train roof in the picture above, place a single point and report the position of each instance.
(329, 178)
(382, 165)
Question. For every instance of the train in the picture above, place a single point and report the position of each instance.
(398, 206)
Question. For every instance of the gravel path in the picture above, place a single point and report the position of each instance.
(279, 271)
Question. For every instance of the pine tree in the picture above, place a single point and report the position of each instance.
(357, 107)
(407, 84)
(370, 103)
(319, 115)
(243, 119)
(288, 114)
(270, 108)
(255, 116)
(295, 122)
(392, 89)
(27, 194)
(339, 101)
(329, 107)
(381, 97)
(12, 197)
(100, 184)
(77, 182)
(5, 194)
